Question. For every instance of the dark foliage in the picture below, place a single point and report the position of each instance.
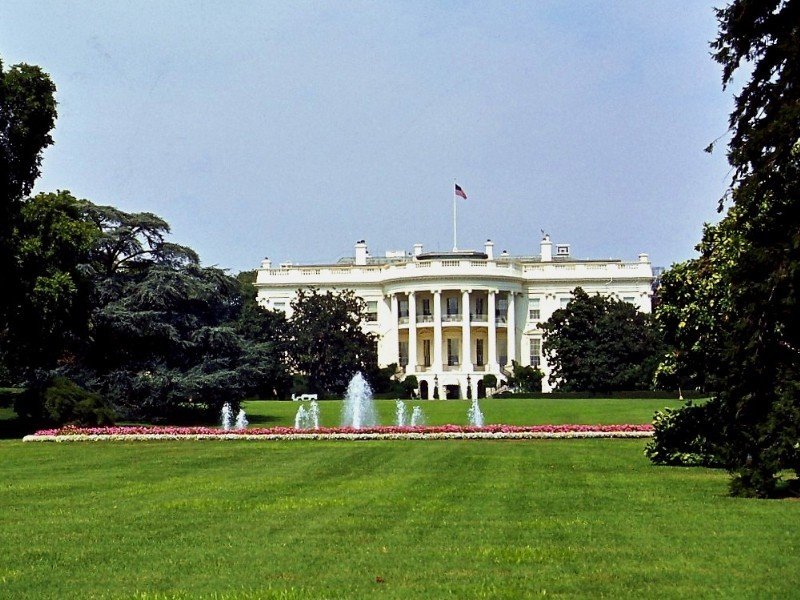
(327, 342)
(600, 344)
(687, 436)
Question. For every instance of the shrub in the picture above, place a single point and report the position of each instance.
(490, 381)
(686, 436)
(67, 403)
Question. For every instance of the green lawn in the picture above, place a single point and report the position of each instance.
(507, 411)
(429, 518)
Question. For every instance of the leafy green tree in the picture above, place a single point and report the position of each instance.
(48, 321)
(600, 344)
(27, 116)
(525, 379)
(748, 342)
(328, 344)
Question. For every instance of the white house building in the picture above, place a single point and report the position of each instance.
(449, 318)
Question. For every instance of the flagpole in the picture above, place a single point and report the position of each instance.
(455, 238)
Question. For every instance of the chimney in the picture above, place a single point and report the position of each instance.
(488, 248)
(361, 252)
(266, 263)
(644, 258)
(417, 249)
(546, 249)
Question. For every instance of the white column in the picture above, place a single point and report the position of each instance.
(492, 362)
(437, 331)
(466, 338)
(394, 336)
(511, 329)
(412, 333)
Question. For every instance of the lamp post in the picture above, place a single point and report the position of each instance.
(435, 387)
(469, 387)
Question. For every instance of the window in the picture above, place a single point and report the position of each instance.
(403, 351)
(501, 310)
(426, 307)
(480, 308)
(403, 308)
(372, 311)
(426, 353)
(533, 309)
(564, 302)
(479, 352)
(279, 306)
(629, 299)
(452, 306)
(536, 352)
(452, 352)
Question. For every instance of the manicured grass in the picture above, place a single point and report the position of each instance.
(510, 411)
(430, 519)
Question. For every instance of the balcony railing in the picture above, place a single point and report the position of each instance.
(403, 320)
(452, 318)
(479, 318)
(424, 318)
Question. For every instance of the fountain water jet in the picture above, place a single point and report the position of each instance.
(241, 420)
(417, 418)
(358, 409)
(313, 414)
(301, 418)
(227, 416)
(400, 413)
(474, 414)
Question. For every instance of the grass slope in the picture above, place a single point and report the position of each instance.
(430, 519)
(511, 411)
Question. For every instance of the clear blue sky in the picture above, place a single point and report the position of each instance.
(293, 129)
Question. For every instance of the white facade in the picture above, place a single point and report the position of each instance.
(451, 317)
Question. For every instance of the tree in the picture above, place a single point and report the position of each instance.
(49, 321)
(754, 253)
(693, 304)
(328, 344)
(525, 379)
(600, 344)
(27, 116)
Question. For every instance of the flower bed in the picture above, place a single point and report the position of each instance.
(76, 434)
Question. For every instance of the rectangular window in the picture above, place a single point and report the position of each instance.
(452, 352)
(480, 308)
(629, 299)
(536, 352)
(426, 307)
(372, 311)
(479, 352)
(426, 353)
(533, 309)
(403, 351)
(403, 308)
(564, 302)
(281, 306)
(452, 306)
(501, 309)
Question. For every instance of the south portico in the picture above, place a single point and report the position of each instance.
(450, 335)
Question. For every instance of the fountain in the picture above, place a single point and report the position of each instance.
(400, 413)
(474, 414)
(227, 416)
(301, 418)
(241, 420)
(313, 414)
(359, 408)
(417, 418)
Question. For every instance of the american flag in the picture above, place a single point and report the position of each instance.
(460, 192)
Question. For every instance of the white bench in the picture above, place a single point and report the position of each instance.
(305, 397)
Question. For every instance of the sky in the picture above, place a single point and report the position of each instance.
(294, 129)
